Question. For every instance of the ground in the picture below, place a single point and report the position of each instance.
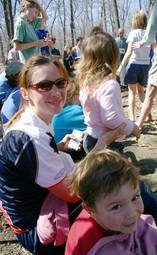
(146, 159)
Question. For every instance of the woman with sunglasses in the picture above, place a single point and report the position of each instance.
(32, 166)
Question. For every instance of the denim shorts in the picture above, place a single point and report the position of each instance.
(89, 142)
(136, 73)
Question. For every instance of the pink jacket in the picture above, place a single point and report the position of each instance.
(103, 109)
(53, 221)
(142, 242)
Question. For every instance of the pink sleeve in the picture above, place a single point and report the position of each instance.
(53, 221)
(111, 112)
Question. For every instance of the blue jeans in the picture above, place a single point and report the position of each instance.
(89, 142)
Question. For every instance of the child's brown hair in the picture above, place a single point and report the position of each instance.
(101, 172)
(100, 57)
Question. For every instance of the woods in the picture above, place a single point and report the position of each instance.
(69, 19)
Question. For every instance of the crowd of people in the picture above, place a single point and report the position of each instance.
(66, 186)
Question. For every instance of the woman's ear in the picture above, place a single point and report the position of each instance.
(24, 94)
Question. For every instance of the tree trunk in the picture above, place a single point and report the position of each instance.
(116, 15)
(2, 57)
(64, 22)
(9, 22)
(103, 14)
(72, 26)
(140, 5)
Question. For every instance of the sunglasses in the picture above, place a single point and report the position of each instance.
(46, 86)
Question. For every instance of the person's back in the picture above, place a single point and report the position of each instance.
(139, 56)
(112, 222)
(11, 105)
(100, 94)
(9, 79)
(4, 87)
(138, 60)
(71, 118)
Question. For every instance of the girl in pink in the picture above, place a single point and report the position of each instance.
(100, 94)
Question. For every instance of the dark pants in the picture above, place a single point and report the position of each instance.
(89, 142)
(31, 242)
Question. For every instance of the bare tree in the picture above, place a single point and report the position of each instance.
(72, 25)
(116, 14)
(103, 14)
(2, 56)
(9, 20)
(140, 4)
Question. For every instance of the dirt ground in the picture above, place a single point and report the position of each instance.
(143, 153)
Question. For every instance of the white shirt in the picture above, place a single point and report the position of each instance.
(140, 55)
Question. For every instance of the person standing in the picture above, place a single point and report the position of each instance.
(25, 38)
(138, 63)
(122, 45)
(149, 37)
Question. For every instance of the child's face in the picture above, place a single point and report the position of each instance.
(31, 12)
(120, 210)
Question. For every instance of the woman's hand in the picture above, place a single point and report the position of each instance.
(109, 137)
(70, 141)
(119, 70)
(63, 144)
(137, 45)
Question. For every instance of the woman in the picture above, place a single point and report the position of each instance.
(138, 63)
(149, 37)
(30, 164)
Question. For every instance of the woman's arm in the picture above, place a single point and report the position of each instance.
(62, 191)
(24, 46)
(151, 30)
(126, 58)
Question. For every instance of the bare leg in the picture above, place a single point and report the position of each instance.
(140, 91)
(147, 105)
(131, 101)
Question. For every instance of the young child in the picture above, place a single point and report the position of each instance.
(42, 34)
(111, 221)
(138, 63)
(100, 94)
